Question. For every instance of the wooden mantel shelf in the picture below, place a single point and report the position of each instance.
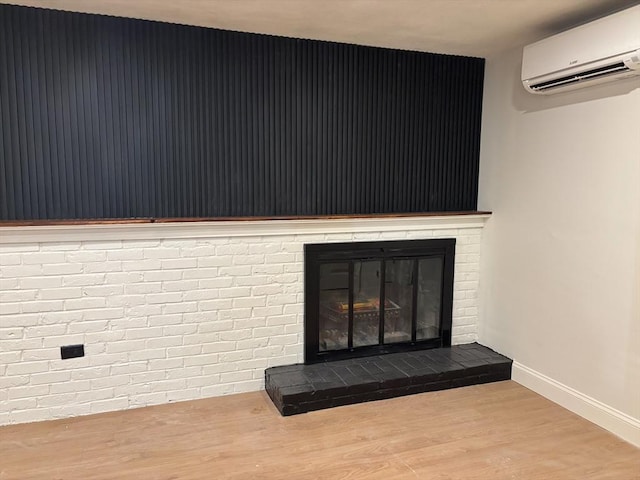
(185, 228)
(128, 221)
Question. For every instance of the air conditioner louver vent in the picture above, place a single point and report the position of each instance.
(600, 72)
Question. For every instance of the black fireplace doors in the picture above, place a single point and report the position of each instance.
(369, 298)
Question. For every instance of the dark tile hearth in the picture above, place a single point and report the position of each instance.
(303, 388)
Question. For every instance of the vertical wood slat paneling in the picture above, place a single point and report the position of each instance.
(105, 117)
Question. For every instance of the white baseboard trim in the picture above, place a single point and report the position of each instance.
(618, 423)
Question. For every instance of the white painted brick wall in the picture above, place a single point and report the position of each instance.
(166, 320)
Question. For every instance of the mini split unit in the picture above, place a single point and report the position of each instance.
(605, 50)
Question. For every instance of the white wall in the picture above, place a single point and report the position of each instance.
(560, 273)
(176, 311)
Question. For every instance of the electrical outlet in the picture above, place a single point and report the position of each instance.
(71, 351)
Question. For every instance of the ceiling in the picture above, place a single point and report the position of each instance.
(478, 28)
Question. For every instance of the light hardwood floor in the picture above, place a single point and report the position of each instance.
(495, 431)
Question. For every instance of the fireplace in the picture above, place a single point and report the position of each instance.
(370, 298)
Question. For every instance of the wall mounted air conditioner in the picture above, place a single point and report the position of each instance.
(601, 51)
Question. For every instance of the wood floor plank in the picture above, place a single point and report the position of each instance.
(493, 431)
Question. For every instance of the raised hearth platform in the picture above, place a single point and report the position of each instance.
(304, 388)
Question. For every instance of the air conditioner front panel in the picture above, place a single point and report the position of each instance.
(605, 38)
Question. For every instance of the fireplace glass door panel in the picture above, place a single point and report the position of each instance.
(366, 302)
(428, 298)
(334, 306)
(398, 310)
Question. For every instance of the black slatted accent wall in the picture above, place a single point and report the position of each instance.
(105, 117)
